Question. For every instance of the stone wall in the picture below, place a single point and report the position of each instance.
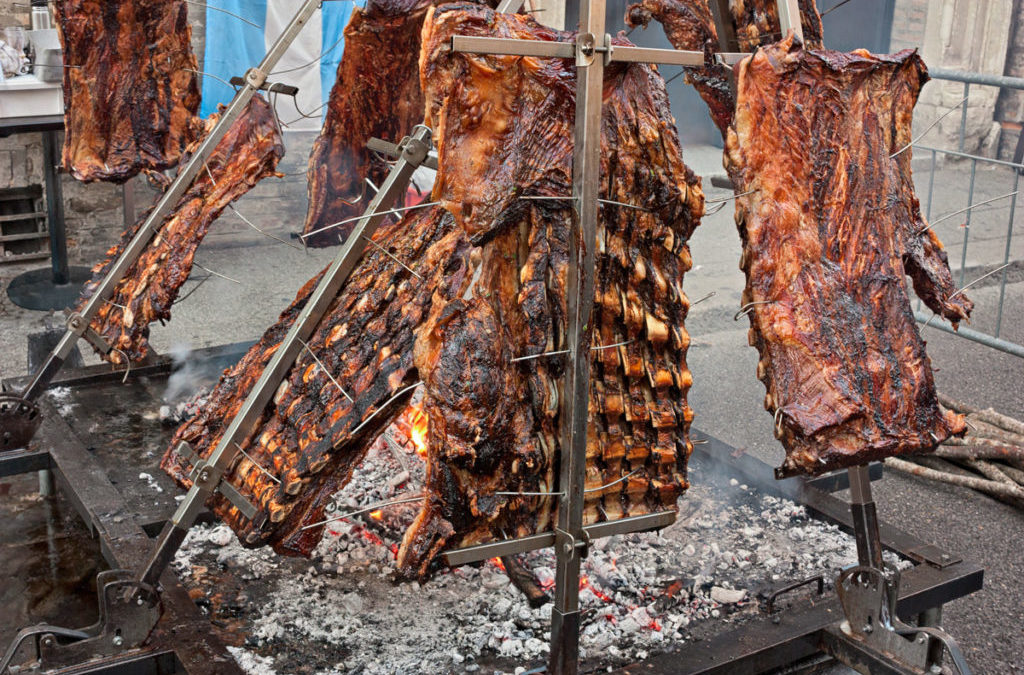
(908, 21)
(1010, 106)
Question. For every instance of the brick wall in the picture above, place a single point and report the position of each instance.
(908, 21)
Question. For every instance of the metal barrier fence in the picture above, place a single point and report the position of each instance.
(1016, 168)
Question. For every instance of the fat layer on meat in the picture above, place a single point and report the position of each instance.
(130, 86)
(248, 153)
(830, 231)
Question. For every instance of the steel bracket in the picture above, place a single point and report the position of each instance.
(19, 420)
(255, 78)
(128, 611)
(566, 543)
(868, 596)
(201, 475)
(935, 556)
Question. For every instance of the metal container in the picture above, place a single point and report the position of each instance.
(41, 17)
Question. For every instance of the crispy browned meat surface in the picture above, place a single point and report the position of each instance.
(756, 23)
(493, 290)
(377, 94)
(829, 236)
(312, 435)
(689, 25)
(131, 95)
(247, 154)
(505, 133)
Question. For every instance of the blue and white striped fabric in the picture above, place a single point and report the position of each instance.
(233, 46)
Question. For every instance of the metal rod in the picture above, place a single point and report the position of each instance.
(967, 223)
(284, 357)
(586, 175)
(421, 205)
(55, 210)
(789, 18)
(929, 128)
(968, 208)
(372, 507)
(963, 117)
(326, 372)
(865, 518)
(391, 255)
(258, 465)
(971, 334)
(1006, 255)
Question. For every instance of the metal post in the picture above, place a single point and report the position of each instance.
(865, 518)
(1006, 254)
(208, 474)
(963, 116)
(932, 618)
(55, 210)
(967, 223)
(789, 18)
(254, 79)
(565, 615)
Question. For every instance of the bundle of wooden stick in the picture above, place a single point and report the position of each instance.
(989, 459)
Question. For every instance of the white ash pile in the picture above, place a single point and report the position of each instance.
(340, 612)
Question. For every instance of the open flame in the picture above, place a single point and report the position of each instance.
(418, 429)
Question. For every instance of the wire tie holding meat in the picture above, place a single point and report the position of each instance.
(529, 494)
(422, 205)
(372, 507)
(706, 297)
(386, 403)
(216, 274)
(612, 346)
(205, 74)
(722, 201)
(778, 422)
(537, 356)
(964, 210)
(218, 9)
(614, 482)
(120, 307)
(258, 465)
(747, 308)
(265, 234)
(966, 286)
(127, 364)
(599, 201)
(324, 368)
(930, 127)
(392, 256)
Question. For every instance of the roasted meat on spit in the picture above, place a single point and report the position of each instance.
(831, 228)
(248, 153)
(493, 263)
(130, 87)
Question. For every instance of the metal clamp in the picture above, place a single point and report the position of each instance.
(769, 605)
(868, 596)
(128, 611)
(566, 543)
(19, 420)
(255, 78)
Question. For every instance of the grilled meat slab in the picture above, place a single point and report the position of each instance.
(130, 92)
(505, 134)
(829, 235)
(493, 290)
(376, 94)
(689, 25)
(313, 434)
(248, 153)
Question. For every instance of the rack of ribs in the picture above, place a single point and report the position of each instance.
(130, 87)
(689, 25)
(248, 153)
(830, 232)
(493, 264)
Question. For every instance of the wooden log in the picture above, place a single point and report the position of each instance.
(1014, 495)
(524, 580)
(1013, 472)
(1004, 452)
(983, 429)
(977, 440)
(989, 470)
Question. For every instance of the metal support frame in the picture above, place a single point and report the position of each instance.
(208, 474)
